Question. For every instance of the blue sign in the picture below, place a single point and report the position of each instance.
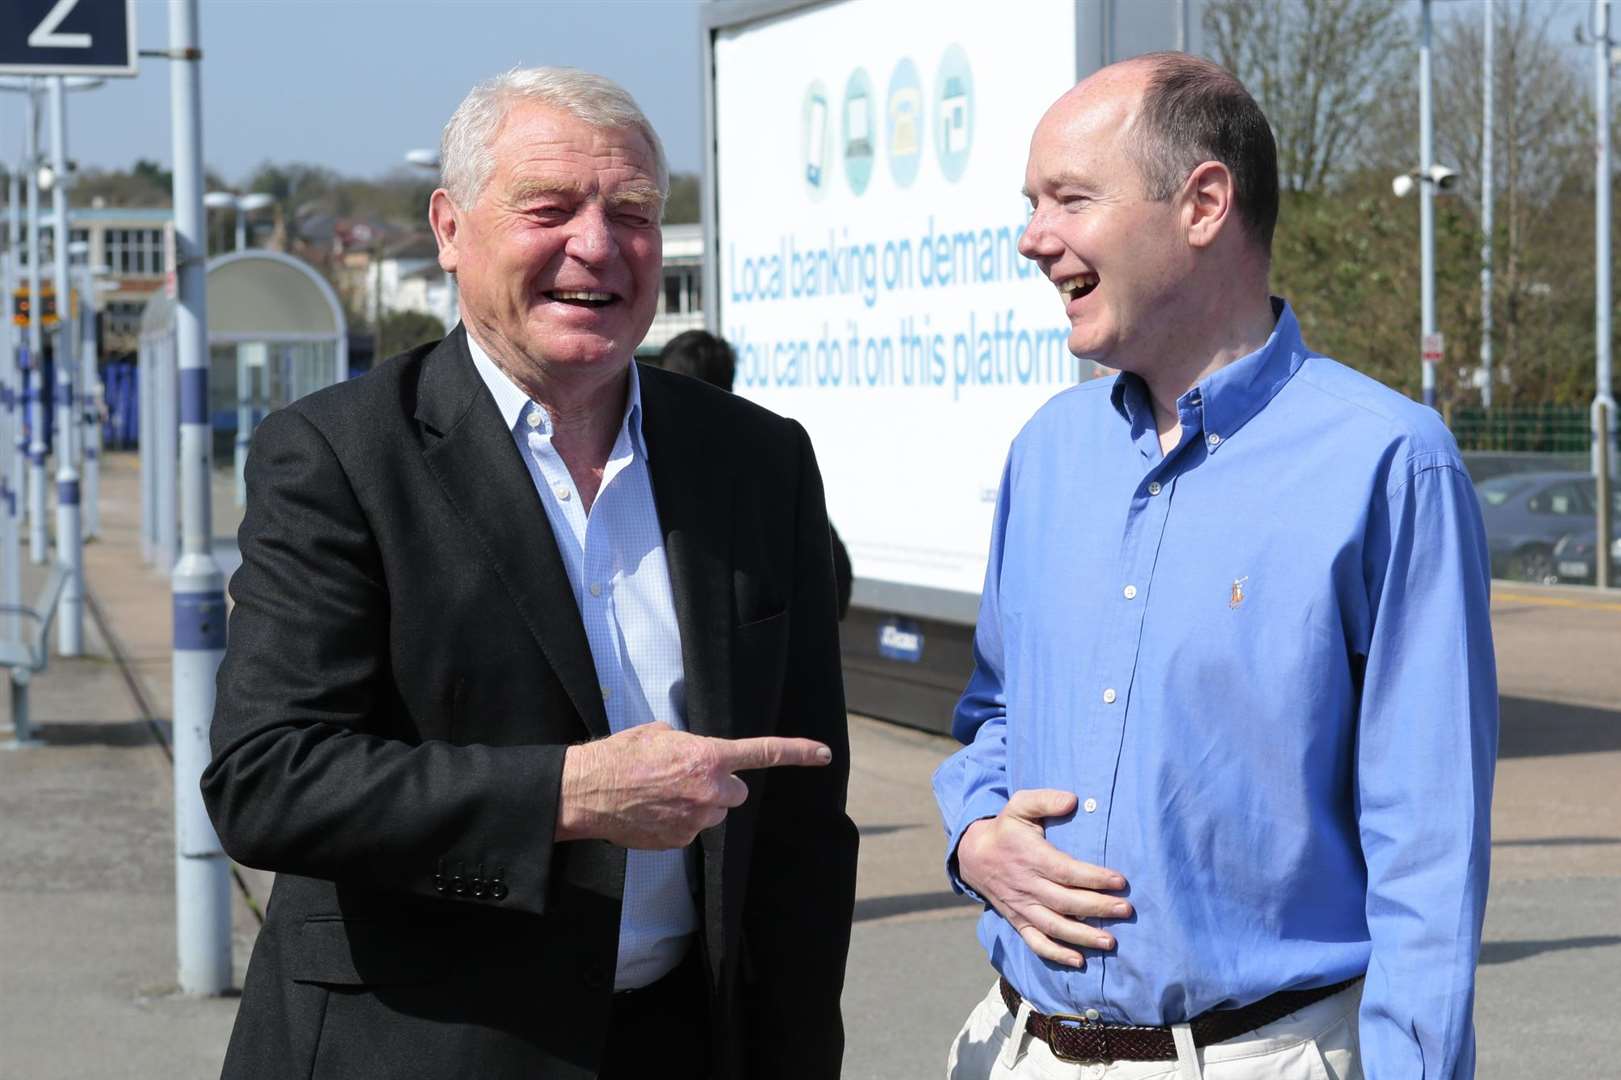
(901, 639)
(67, 37)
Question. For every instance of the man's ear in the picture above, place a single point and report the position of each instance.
(445, 221)
(1209, 199)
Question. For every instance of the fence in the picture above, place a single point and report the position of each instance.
(1535, 429)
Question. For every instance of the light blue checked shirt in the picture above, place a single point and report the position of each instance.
(616, 564)
(1263, 663)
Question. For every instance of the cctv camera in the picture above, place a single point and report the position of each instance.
(1402, 186)
(1443, 178)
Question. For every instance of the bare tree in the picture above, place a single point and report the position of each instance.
(1314, 67)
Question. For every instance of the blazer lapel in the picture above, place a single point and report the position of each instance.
(692, 486)
(471, 453)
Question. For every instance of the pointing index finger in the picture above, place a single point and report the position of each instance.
(769, 751)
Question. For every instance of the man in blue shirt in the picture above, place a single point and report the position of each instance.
(1232, 726)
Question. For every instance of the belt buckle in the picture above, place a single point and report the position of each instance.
(1096, 1028)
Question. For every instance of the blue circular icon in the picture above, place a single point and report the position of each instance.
(903, 123)
(859, 150)
(953, 112)
(816, 143)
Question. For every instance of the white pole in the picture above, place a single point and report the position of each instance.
(38, 541)
(11, 447)
(1426, 198)
(1603, 425)
(92, 396)
(1488, 77)
(146, 447)
(202, 879)
(69, 541)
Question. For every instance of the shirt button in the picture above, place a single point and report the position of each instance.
(1129, 592)
(607, 693)
(1090, 806)
(561, 492)
(1214, 440)
(1092, 1015)
(1109, 696)
(1153, 488)
(533, 419)
(596, 588)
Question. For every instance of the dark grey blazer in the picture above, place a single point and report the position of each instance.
(405, 669)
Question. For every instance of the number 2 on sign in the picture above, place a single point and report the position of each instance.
(45, 35)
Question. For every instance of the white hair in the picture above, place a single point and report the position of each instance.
(466, 160)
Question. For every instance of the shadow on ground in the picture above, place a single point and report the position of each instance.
(1532, 728)
(124, 733)
(1506, 952)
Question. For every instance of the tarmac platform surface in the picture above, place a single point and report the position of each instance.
(87, 921)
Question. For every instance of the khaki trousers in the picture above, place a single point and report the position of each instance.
(1317, 1043)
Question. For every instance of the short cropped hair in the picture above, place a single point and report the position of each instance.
(702, 355)
(1193, 111)
(465, 158)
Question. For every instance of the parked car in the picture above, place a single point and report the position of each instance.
(1574, 558)
(1526, 514)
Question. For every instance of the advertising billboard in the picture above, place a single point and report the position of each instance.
(869, 161)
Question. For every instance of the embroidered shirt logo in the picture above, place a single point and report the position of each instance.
(1237, 595)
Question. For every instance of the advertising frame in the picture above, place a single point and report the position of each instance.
(920, 688)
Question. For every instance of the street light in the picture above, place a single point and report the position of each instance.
(249, 356)
(1443, 178)
(429, 159)
(1428, 178)
(243, 205)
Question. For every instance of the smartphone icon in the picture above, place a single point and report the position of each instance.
(815, 141)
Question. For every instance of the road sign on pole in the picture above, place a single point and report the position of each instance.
(67, 37)
(1434, 348)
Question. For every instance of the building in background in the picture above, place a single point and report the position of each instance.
(127, 246)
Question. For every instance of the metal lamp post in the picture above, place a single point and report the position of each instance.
(249, 356)
(429, 159)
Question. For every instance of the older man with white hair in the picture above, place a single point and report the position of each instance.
(513, 616)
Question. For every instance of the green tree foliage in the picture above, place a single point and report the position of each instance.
(686, 195)
(1337, 78)
(402, 330)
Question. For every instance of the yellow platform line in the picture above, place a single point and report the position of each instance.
(1557, 601)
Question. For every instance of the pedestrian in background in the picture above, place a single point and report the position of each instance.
(1232, 726)
(710, 357)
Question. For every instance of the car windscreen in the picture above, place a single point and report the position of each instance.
(1499, 489)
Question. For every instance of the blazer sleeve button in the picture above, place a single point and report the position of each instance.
(458, 885)
(498, 889)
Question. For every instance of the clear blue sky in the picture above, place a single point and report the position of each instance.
(353, 84)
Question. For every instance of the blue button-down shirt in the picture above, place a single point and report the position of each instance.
(1263, 663)
(615, 561)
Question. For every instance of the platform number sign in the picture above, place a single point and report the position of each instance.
(67, 37)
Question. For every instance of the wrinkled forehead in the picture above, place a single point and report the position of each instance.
(529, 130)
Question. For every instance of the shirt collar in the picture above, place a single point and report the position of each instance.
(1230, 396)
(513, 402)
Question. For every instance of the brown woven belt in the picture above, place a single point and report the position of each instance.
(1081, 1041)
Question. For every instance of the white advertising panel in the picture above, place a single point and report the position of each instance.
(869, 163)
